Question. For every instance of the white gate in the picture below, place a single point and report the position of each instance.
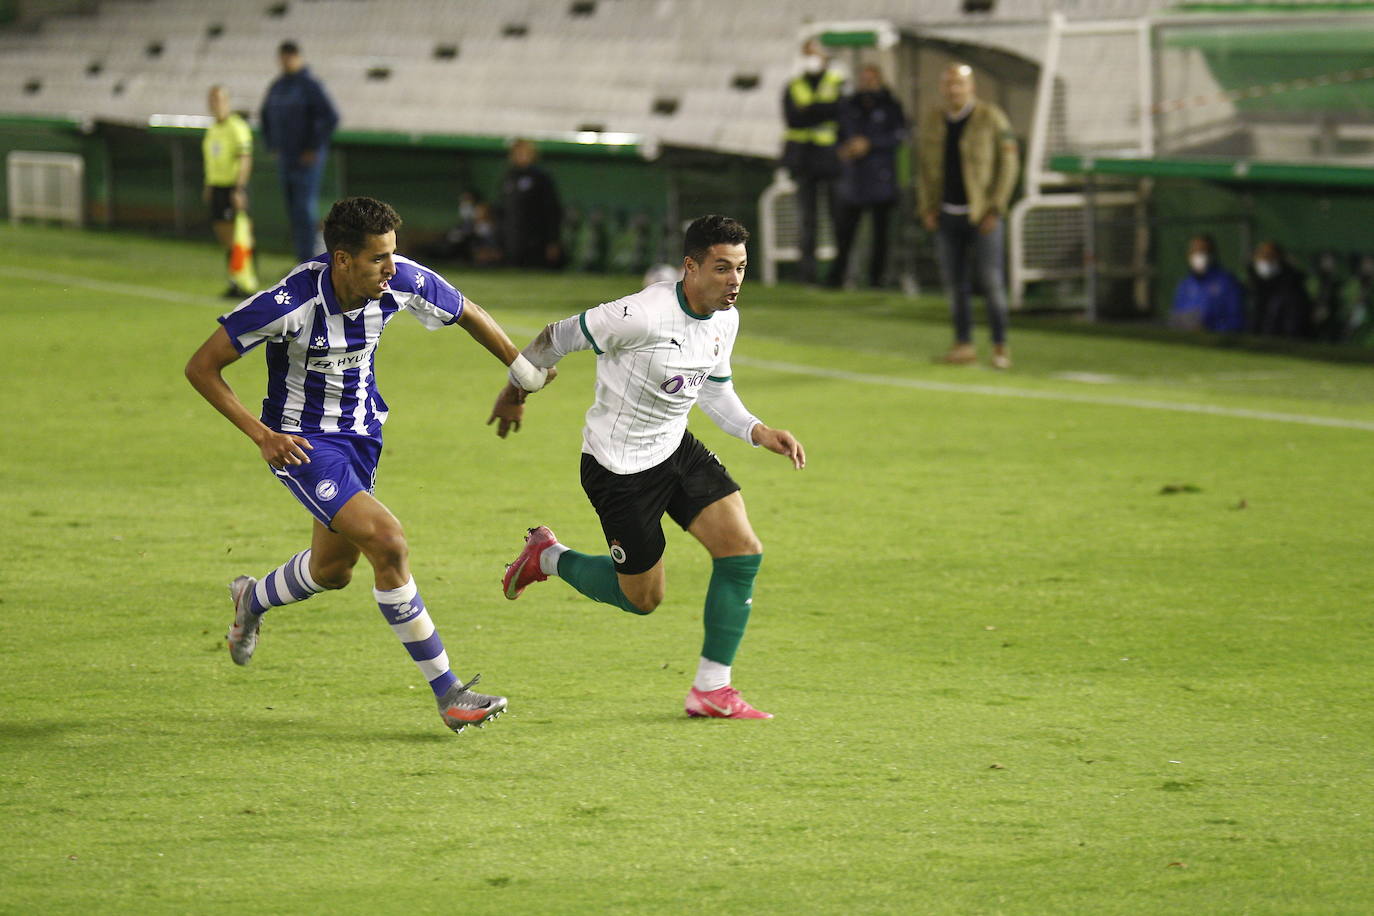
(47, 186)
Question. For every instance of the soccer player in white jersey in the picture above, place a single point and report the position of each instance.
(320, 430)
(658, 352)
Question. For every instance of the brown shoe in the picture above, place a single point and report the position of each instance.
(1001, 357)
(960, 355)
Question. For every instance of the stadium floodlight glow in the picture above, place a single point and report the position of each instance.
(605, 137)
(617, 138)
(174, 120)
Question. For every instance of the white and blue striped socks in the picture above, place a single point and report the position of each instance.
(287, 584)
(409, 620)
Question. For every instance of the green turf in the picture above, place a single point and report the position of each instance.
(1027, 654)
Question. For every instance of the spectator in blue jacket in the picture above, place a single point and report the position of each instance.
(872, 127)
(297, 122)
(1209, 297)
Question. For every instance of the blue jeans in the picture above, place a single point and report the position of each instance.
(300, 185)
(962, 249)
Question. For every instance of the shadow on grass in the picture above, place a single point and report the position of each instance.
(46, 730)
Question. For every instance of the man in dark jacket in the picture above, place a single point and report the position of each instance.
(532, 215)
(297, 121)
(811, 105)
(872, 126)
(1282, 306)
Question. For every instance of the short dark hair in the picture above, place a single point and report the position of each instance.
(706, 231)
(1208, 241)
(353, 219)
(288, 47)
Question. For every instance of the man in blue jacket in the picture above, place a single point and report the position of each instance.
(1209, 297)
(872, 126)
(297, 121)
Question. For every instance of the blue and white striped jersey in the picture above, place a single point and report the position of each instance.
(319, 358)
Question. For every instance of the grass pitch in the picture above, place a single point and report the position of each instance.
(1089, 637)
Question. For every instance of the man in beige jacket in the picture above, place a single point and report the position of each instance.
(968, 168)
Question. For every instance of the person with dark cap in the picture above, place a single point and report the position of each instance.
(298, 120)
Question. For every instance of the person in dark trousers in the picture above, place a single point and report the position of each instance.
(298, 120)
(872, 127)
(811, 107)
(531, 213)
(968, 167)
(1282, 305)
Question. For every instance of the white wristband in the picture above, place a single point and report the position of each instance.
(525, 375)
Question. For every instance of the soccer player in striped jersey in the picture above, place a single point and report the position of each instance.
(320, 430)
(658, 352)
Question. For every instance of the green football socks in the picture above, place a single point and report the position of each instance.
(728, 602)
(594, 577)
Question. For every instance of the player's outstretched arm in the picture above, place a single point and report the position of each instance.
(542, 353)
(780, 441)
(484, 329)
(509, 410)
(205, 372)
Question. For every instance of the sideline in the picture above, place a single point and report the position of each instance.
(887, 381)
(1062, 396)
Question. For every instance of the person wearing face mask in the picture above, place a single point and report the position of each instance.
(811, 107)
(1282, 305)
(872, 127)
(1210, 297)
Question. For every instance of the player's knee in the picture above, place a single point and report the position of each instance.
(647, 600)
(333, 577)
(388, 547)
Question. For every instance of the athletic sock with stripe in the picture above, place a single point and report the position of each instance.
(405, 612)
(287, 584)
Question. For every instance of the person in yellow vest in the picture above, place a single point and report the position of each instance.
(228, 152)
(968, 169)
(811, 107)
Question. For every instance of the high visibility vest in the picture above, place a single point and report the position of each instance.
(827, 90)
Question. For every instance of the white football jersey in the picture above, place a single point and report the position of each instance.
(654, 355)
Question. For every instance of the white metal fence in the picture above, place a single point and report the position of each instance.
(47, 186)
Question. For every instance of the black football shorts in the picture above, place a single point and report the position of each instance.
(631, 506)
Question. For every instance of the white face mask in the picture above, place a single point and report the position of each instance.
(1266, 269)
(813, 63)
(1198, 262)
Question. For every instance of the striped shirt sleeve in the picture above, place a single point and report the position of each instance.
(275, 315)
(433, 301)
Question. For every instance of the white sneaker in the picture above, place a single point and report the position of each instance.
(243, 633)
